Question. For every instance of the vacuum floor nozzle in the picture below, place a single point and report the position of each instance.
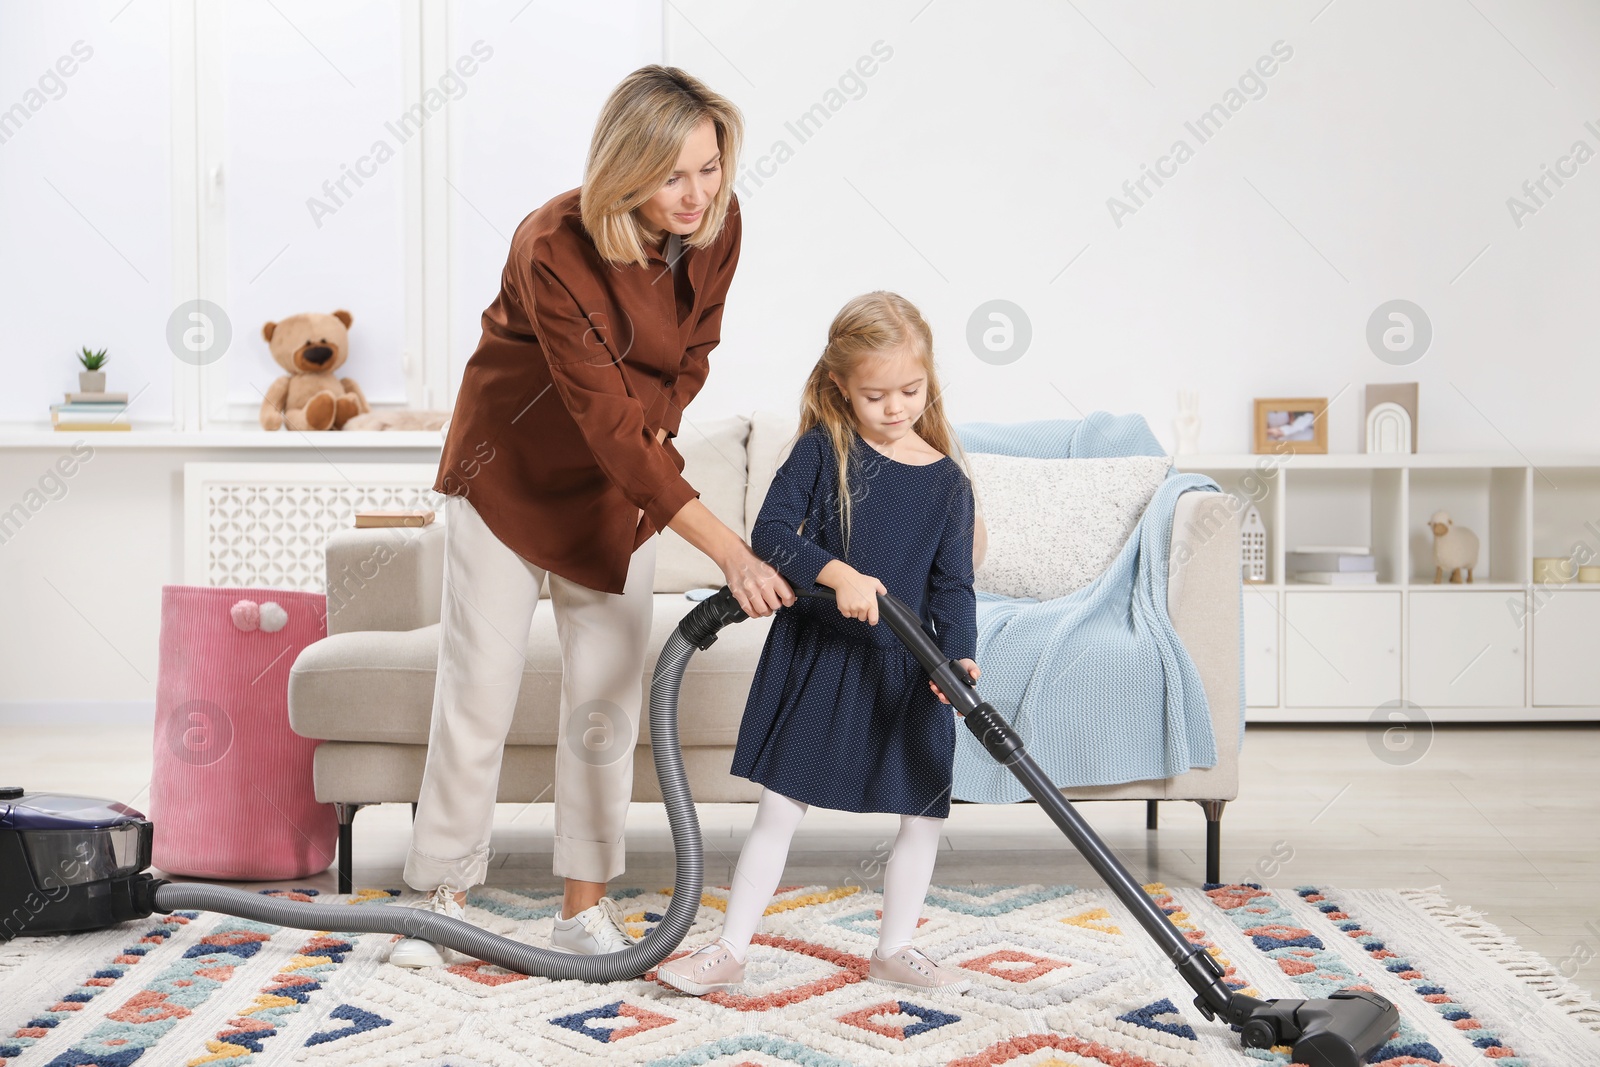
(1336, 1031)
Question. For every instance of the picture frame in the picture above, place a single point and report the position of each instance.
(1290, 425)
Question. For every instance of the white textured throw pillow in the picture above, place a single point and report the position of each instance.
(1055, 524)
(713, 453)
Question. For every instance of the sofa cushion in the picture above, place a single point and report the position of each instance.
(772, 435)
(378, 686)
(1055, 524)
(378, 774)
(713, 453)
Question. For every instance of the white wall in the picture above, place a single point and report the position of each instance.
(978, 161)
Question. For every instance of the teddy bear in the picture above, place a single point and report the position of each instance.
(311, 346)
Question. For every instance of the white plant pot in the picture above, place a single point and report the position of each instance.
(92, 381)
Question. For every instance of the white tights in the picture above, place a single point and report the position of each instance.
(755, 879)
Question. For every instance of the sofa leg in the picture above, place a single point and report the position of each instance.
(346, 813)
(1151, 814)
(1213, 810)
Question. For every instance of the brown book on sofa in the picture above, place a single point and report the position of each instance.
(394, 517)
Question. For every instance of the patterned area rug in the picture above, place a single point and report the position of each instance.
(1060, 976)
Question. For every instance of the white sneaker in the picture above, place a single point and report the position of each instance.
(414, 951)
(593, 931)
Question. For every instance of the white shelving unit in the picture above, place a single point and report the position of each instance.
(1501, 649)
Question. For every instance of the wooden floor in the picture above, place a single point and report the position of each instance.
(1504, 820)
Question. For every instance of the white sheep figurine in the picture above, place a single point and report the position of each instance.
(1455, 549)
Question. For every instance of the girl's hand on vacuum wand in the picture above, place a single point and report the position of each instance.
(972, 672)
(855, 594)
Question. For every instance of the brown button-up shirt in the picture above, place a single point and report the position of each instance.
(553, 438)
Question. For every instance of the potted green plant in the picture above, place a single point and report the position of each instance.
(92, 379)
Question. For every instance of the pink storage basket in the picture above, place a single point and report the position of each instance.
(232, 795)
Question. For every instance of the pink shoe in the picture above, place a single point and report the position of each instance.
(910, 969)
(709, 967)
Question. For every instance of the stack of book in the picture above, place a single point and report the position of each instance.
(1331, 565)
(91, 411)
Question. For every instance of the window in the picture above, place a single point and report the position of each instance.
(277, 158)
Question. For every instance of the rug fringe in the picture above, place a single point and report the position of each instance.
(1474, 928)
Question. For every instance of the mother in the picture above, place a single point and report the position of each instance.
(559, 461)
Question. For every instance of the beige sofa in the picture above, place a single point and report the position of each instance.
(366, 690)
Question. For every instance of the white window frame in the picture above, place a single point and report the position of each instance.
(199, 215)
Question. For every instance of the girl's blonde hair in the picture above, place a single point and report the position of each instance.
(875, 325)
(636, 142)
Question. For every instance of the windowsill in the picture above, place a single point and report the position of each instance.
(161, 435)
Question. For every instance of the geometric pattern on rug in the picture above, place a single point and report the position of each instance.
(1060, 977)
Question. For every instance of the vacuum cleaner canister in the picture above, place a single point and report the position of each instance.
(69, 864)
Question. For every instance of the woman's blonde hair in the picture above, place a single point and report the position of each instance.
(635, 147)
(876, 325)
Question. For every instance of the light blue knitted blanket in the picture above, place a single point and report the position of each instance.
(1097, 682)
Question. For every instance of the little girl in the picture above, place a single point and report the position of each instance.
(840, 713)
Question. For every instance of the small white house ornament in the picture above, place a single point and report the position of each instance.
(1253, 546)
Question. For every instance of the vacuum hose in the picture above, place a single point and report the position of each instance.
(698, 630)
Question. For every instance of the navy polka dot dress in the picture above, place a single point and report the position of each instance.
(840, 713)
